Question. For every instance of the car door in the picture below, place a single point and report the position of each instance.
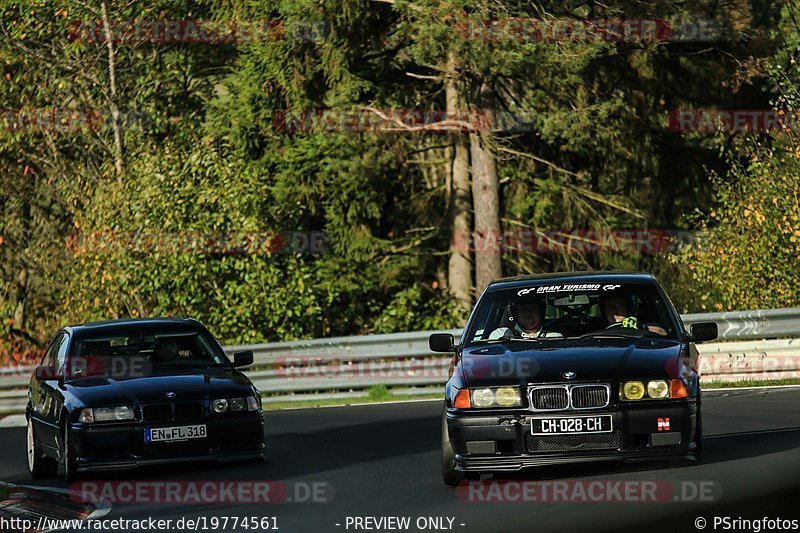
(43, 394)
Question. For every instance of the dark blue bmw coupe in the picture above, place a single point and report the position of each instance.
(128, 393)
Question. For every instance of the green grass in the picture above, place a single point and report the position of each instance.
(379, 393)
(749, 383)
(333, 402)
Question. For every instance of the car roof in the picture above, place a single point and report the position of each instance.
(573, 277)
(132, 322)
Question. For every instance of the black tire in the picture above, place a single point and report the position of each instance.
(698, 432)
(450, 475)
(39, 465)
(70, 464)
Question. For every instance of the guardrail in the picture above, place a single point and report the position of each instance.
(346, 367)
(760, 324)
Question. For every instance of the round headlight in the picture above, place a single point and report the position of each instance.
(123, 413)
(482, 398)
(658, 389)
(507, 397)
(220, 406)
(237, 404)
(633, 390)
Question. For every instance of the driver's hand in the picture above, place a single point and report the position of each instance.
(630, 322)
(657, 329)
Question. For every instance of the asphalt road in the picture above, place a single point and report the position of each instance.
(383, 460)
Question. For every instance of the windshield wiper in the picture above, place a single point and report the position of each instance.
(609, 336)
(506, 338)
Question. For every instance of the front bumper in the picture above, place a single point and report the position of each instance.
(503, 441)
(101, 447)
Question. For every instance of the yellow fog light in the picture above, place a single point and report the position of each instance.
(633, 390)
(658, 389)
(507, 397)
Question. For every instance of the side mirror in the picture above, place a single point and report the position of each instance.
(45, 373)
(704, 331)
(241, 359)
(441, 342)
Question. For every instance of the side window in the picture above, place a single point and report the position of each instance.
(61, 354)
(49, 358)
(489, 316)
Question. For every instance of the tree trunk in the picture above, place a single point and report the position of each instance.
(486, 199)
(119, 147)
(459, 268)
(21, 294)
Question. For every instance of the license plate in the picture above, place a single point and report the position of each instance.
(572, 424)
(174, 434)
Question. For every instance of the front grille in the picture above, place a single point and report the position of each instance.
(565, 443)
(549, 398)
(188, 411)
(587, 396)
(177, 412)
(157, 413)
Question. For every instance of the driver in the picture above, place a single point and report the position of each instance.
(527, 323)
(165, 351)
(615, 309)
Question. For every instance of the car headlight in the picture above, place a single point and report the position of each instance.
(482, 398)
(507, 397)
(498, 397)
(237, 404)
(657, 389)
(121, 413)
(633, 390)
(220, 406)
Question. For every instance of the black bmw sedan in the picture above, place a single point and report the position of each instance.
(566, 368)
(129, 393)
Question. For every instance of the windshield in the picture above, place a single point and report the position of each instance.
(139, 353)
(572, 310)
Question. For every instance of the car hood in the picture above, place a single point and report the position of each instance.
(189, 385)
(588, 359)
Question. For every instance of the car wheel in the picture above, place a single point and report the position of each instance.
(450, 475)
(39, 465)
(70, 464)
(698, 434)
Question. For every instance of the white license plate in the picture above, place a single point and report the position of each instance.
(572, 424)
(174, 434)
